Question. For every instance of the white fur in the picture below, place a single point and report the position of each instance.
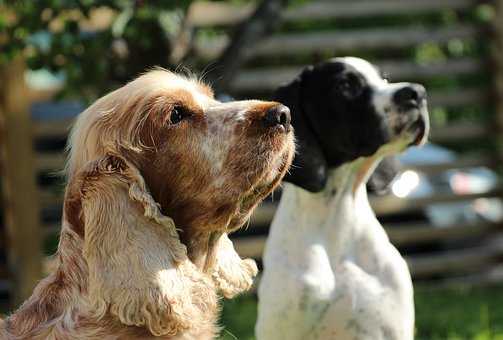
(330, 271)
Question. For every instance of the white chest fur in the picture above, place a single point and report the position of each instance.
(330, 271)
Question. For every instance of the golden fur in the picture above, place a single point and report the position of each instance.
(149, 201)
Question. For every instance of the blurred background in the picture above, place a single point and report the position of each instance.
(444, 212)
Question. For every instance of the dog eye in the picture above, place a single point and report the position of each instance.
(344, 85)
(349, 86)
(178, 114)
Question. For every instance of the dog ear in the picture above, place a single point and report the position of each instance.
(309, 167)
(380, 181)
(231, 274)
(139, 272)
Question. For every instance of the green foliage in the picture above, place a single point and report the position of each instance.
(50, 34)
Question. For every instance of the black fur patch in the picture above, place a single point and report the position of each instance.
(335, 122)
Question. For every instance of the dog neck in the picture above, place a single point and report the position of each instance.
(345, 189)
(336, 217)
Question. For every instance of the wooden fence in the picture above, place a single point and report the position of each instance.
(475, 249)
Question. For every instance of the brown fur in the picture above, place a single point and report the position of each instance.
(144, 248)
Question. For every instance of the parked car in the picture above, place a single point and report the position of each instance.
(415, 184)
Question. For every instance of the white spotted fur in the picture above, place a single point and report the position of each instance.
(330, 270)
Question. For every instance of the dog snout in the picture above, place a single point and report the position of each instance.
(410, 96)
(278, 115)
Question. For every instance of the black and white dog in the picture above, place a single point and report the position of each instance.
(330, 271)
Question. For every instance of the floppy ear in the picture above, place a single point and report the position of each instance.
(138, 268)
(309, 167)
(231, 274)
(382, 177)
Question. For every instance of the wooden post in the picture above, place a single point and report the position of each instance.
(497, 54)
(20, 197)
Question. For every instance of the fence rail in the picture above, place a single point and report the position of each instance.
(270, 78)
(454, 261)
(207, 13)
(301, 43)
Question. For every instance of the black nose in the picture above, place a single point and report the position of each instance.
(278, 115)
(410, 96)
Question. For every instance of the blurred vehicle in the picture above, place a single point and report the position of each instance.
(415, 184)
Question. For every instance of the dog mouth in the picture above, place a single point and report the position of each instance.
(416, 124)
(418, 130)
(277, 168)
(260, 190)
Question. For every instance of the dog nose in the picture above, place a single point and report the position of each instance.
(278, 115)
(409, 96)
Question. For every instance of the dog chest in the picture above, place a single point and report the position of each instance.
(329, 267)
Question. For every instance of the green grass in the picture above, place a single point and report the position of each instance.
(441, 314)
(460, 314)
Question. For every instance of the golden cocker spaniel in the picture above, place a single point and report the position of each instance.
(158, 173)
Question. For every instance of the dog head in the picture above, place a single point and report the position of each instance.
(205, 162)
(343, 109)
